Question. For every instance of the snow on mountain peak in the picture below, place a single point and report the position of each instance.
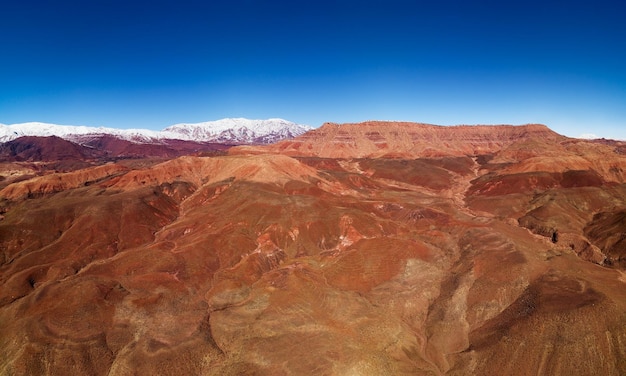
(238, 130)
(229, 130)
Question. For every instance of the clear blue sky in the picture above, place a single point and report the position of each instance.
(151, 64)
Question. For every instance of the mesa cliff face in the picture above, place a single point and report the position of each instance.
(374, 248)
(407, 140)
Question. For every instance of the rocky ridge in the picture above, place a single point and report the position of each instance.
(375, 139)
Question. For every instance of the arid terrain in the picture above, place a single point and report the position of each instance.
(378, 248)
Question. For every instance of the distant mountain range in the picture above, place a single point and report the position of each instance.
(226, 131)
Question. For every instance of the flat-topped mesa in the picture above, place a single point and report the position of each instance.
(405, 139)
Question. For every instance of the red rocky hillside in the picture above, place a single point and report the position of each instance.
(379, 248)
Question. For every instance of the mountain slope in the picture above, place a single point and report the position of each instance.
(30, 148)
(97, 149)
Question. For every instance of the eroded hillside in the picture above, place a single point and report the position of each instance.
(288, 261)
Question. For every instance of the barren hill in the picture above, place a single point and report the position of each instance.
(52, 148)
(406, 140)
(369, 249)
(30, 148)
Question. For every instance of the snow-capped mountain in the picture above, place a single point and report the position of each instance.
(237, 130)
(72, 132)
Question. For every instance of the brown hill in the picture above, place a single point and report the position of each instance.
(47, 149)
(30, 148)
(405, 140)
(57, 182)
(273, 264)
(111, 146)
